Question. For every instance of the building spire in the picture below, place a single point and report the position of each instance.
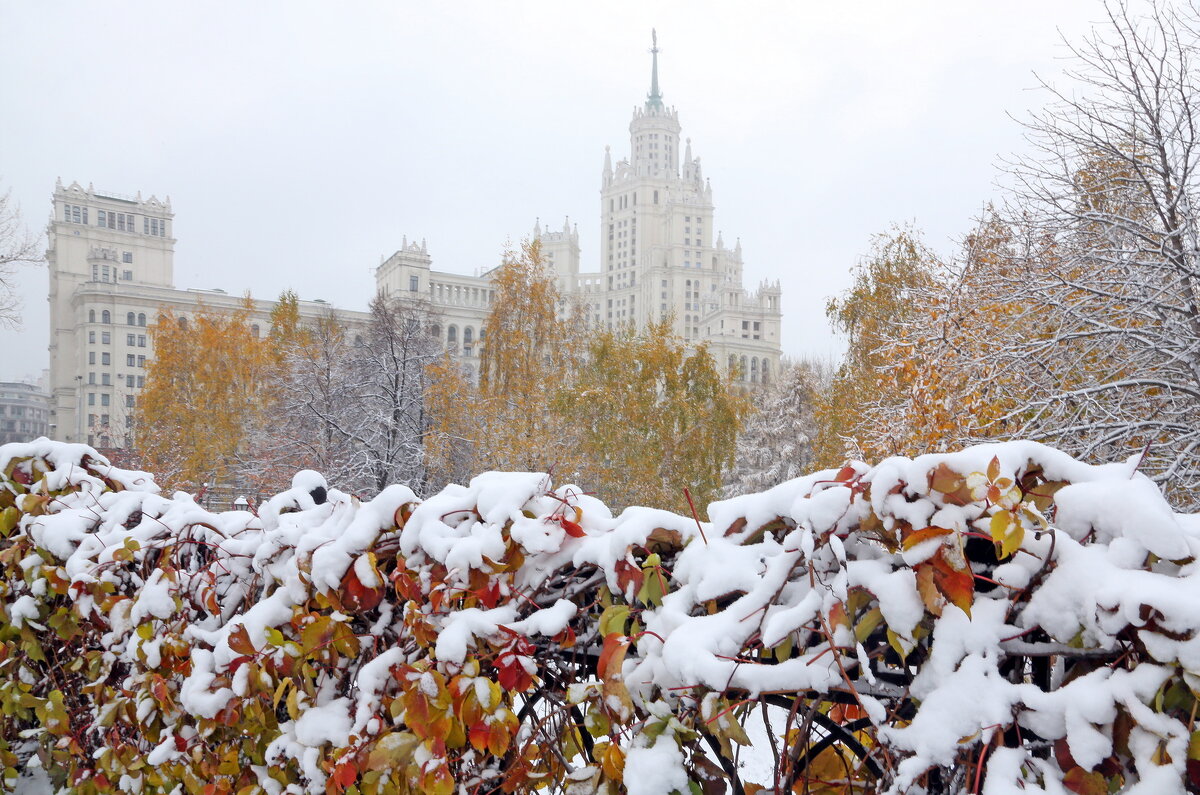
(654, 100)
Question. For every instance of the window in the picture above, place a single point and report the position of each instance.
(130, 339)
(106, 316)
(452, 335)
(106, 358)
(145, 225)
(183, 323)
(104, 399)
(130, 360)
(100, 218)
(129, 381)
(141, 361)
(106, 338)
(126, 276)
(91, 378)
(129, 401)
(105, 379)
(468, 336)
(91, 398)
(255, 330)
(127, 257)
(91, 315)
(141, 382)
(142, 339)
(91, 357)
(141, 319)
(92, 337)
(130, 319)
(414, 282)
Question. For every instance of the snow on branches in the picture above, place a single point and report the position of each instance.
(999, 619)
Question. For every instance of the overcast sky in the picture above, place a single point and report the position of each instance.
(299, 141)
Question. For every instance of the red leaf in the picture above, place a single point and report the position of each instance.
(573, 530)
(629, 578)
(845, 474)
(358, 597)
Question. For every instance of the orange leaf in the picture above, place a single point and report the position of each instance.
(958, 586)
(925, 534)
(612, 655)
(239, 641)
(479, 735)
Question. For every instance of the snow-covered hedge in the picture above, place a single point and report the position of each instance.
(1000, 619)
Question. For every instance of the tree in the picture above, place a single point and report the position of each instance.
(527, 351)
(314, 406)
(16, 246)
(886, 296)
(1111, 199)
(776, 443)
(392, 384)
(205, 392)
(652, 417)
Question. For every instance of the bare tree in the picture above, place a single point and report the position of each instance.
(392, 362)
(17, 246)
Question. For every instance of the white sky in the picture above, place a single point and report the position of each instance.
(299, 141)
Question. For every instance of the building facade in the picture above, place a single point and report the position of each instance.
(24, 412)
(112, 270)
(111, 261)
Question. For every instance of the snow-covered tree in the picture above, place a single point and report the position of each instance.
(391, 382)
(1110, 202)
(16, 246)
(776, 443)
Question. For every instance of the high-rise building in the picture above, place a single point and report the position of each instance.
(111, 261)
(658, 257)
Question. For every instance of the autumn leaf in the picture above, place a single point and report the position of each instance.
(925, 534)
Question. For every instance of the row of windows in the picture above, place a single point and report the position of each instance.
(754, 370)
(131, 319)
(106, 400)
(106, 339)
(131, 360)
(121, 222)
(103, 273)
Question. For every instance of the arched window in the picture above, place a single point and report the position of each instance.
(141, 318)
(743, 371)
(183, 323)
(91, 315)
(468, 336)
(452, 335)
(754, 370)
(106, 316)
(732, 364)
(435, 331)
(130, 319)
(254, 329)
(766, 371)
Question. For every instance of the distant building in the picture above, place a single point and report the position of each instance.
(658, 258)
(111, 260)
(24, 412)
